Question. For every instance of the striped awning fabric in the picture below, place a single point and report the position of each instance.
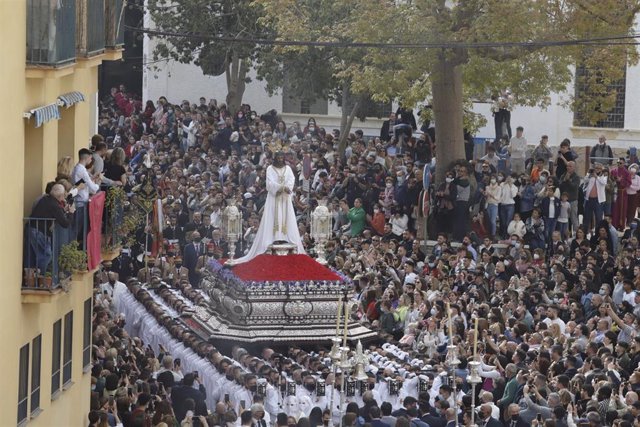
(71, 98)
(44, 114)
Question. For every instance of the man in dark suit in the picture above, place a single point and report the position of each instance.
(173, 231)
(181, 393)
(431, 416)
(192, 252)
(514, 419)
(220, 246)
(485, 419)
(450, 415)
(408, 403)
(374, 413)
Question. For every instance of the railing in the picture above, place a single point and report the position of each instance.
(51, 32)
(43, 242)
(95, 25)
(113, 221)
(114, 23)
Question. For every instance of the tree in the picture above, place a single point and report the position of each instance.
(453, 74)
(187, 20)
(315, 72)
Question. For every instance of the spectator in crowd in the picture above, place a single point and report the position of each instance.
(557, 308)
(518, 151)
(601, 152)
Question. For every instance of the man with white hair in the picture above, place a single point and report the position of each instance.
(487, 398)
(40, 251)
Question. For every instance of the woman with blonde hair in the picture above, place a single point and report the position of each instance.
(114, 169)
(65, 167)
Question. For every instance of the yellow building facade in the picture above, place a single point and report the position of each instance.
(45, 344)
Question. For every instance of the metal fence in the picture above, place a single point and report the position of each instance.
(51, 32)
(43, 242)
(95, 26)
(114, 23)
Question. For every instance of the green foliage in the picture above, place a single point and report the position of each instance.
(532, 73)
(72, 259)
(224, 18)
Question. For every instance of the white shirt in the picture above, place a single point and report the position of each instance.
(90, 187)
(630, 298)
(518, 147)
(600, 182)
(507, 193)
(552, 207)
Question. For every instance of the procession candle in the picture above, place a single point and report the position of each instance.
(338, 317)
(475, 339)
(450, 323)
(346, 323)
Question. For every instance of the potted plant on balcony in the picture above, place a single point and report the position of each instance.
(30, 277)
(123, 221)
(72, 259)
(45, 281)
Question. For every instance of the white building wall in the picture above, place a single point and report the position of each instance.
(187, 82)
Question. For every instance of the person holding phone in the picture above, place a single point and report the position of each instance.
(186, 390)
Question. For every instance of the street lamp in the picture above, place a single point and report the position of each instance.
(321, 229)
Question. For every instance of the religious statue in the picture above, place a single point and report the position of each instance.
(278, 223)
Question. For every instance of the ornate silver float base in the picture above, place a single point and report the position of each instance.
(302, 312)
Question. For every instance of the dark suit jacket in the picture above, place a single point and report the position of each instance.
(434, 421)
(176, 233)
(386, 128)
(190, 258)
(519, 423)
(492, 422)
(378, 423)
(402, 412)
(180, 394)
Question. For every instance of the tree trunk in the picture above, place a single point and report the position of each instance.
(236, 73)
(447, 111)
(347, 119)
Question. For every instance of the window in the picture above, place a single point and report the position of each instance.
(370, 108)
(55, 358)
(68, 347)
(615, 116)
(291, 103)
(86, 335)
(36, 359)
(23, 384)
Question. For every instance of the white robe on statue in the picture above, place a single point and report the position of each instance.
(278, 217)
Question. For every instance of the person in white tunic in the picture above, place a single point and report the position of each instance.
(278, 221)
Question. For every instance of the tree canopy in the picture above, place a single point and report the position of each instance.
(219, 18)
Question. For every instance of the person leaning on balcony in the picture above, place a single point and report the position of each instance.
(50, 206)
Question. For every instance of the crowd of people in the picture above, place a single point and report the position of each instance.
(546, 259)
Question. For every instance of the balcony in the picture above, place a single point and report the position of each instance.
(51, 32)
(91, 27)
(114, 24)
(48, 250)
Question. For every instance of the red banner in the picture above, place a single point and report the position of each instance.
(94, 237)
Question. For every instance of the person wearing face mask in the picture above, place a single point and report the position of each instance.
(246, 393)
(445, 199)
(514, 419)
(377, 220)
(461, 207)
(508, 191)
(149, 271)
(632, 193)
(492, 195)
(176, 272)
